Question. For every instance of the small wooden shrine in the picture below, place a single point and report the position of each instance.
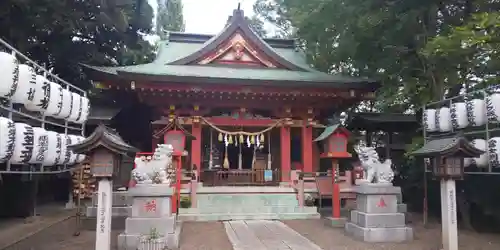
(447, 155)
(239, 95)
(105, 149)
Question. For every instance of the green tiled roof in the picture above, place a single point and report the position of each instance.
(175, 57)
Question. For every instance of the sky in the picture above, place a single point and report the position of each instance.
(209, 16)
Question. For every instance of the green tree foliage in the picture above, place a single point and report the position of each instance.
(64, 33)
(383, 39)
(421, 50)
(169, 17)
(257, 25)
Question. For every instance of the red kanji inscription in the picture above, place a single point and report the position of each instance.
(381, 203)
(150, 206)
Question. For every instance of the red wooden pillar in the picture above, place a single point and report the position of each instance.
(307, 141)
(285, 153)
(196, 147)
(335, 191)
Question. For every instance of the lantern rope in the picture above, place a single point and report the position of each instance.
(277, 123)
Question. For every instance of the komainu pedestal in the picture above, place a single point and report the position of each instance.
(151, 212)
(376, 218)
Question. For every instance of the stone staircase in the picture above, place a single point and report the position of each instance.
(247, 203)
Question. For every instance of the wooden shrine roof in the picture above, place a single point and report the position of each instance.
(189, 58)
(106, 137)
(457, 145)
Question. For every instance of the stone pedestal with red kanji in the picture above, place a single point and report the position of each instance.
(151, 220)
(376, 218)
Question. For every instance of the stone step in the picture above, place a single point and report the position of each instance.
(249, 210)
(252, 216)
(244, 200)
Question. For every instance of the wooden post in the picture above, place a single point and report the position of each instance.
(335, 191)
(178, 177)
(196, 147)
(449, 214)
(104, 212)
(194, 189)
(307, 142)
(300, 187)
(285, 153)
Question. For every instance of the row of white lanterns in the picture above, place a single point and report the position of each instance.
(459, 115)
(20, 84)
(21, 143)
(491, 155)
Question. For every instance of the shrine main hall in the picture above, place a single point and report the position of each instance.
(241, 102)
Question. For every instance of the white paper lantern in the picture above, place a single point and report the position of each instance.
(9, 69)
(40, 146)
(482, 160)
(85, 110)
(67, 102)
(55, 100)
(74, 140)
(76, 107)
(23, 147)
(25, 91)
(430, 120)
(476, 112)
(494, 151)
(7, 138)
(65, 154)
(42, 95)
(459, 118)
(493, 107)
(54, 149)
(443, 119)
(81, 157)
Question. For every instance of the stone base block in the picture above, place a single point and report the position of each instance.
(402, 208)
(131, 242)
(142, 226)
(379, 235)
(335, 222)
(151, 190)
(394, 220)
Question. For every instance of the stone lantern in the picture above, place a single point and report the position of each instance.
(105, 150)
(446, 156)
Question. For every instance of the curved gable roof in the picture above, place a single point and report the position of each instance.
(238, 22)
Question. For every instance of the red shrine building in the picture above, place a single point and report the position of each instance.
(245, 102)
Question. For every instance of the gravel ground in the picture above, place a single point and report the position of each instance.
(425, 239)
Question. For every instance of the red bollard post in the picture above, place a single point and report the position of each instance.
(335, 191)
